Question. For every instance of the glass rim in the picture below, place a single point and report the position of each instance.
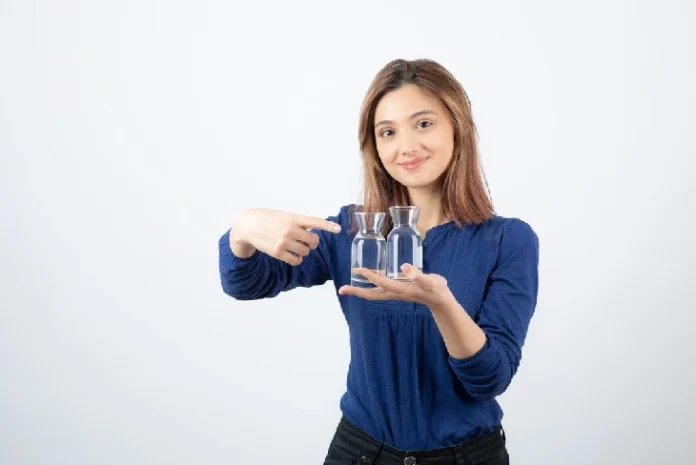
(370, 213)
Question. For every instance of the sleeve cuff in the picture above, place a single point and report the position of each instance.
(479, 359)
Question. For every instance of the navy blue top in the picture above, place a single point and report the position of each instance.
(403, 387)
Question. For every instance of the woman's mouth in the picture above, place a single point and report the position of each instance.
(413, 164)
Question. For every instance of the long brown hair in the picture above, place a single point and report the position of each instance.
(464, 198)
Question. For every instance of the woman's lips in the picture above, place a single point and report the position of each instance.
(413, 164)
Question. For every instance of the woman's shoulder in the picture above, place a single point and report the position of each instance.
(511, 234)
(342, 214)
(510, 226)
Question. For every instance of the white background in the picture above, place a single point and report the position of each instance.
(132, 133)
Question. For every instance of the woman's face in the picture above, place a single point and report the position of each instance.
(415, 136)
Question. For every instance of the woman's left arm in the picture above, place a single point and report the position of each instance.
(485, 354)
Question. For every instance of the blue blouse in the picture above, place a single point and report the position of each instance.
(402, 386)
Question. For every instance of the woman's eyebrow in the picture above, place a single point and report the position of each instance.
(415, 115)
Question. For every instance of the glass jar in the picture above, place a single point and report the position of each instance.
(369, 247)
(404, 242)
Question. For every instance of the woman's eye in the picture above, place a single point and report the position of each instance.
(386, 133)
(424, 124)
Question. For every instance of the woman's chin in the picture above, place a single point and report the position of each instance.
(421, 184)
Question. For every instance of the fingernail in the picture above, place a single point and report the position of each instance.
(405, 267)
(337, 227)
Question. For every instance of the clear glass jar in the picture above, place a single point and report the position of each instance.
(404, 242)
(369, 247)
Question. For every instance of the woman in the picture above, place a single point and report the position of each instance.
(429, 356)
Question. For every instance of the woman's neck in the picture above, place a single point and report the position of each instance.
(429, 201)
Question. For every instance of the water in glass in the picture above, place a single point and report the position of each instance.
(369, 247)
(404, 242)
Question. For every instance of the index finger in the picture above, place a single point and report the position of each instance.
(312, 222)
(365, 293)
(379, 280)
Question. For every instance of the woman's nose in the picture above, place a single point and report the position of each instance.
(408, 142)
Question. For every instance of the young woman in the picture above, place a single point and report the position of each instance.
(429, 355)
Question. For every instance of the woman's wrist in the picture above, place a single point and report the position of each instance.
(240, 247)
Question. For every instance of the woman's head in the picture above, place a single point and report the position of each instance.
(417, 133)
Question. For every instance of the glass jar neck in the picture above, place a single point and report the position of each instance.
(369, 223)
(404, 216)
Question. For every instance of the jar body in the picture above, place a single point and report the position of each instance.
(368, 251)
(404, 245)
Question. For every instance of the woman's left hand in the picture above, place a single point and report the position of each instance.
(424, 288)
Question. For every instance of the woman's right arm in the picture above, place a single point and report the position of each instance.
(266, 252)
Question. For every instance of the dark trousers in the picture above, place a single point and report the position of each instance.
(351, 446)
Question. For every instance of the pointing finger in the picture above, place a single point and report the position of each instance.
(311, 222)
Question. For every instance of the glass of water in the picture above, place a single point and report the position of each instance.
(404, 242)
(369, 247)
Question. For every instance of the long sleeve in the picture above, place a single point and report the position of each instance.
(262, 276)
(505, 314)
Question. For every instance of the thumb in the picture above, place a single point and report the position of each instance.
(417, 276)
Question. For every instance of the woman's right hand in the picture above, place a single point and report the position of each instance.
(279, 234)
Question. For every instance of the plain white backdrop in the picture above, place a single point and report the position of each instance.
(133, 132)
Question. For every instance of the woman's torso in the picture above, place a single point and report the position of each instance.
(400, 387)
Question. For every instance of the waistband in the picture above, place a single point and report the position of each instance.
(368, 450)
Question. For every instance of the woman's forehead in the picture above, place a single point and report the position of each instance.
(406, 102)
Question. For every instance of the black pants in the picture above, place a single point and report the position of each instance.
(351, 446)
